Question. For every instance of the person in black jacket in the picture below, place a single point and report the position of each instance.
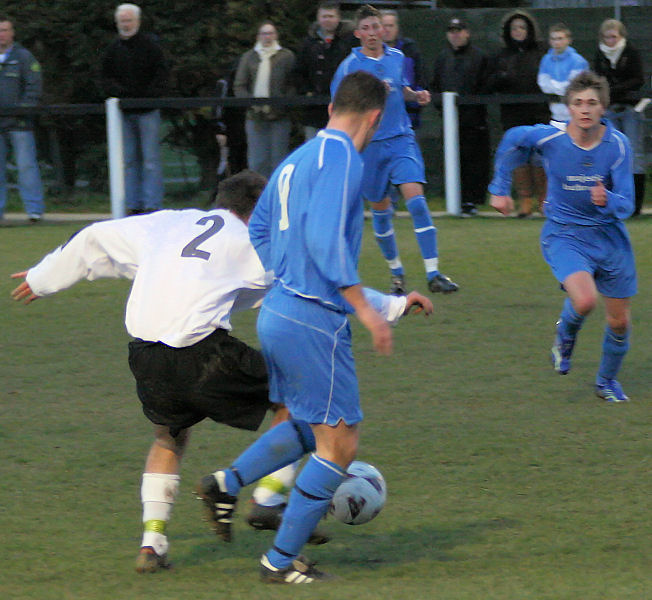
(621, 64)
(133, 66)
(514, 70)
(328, 42)
(462, 67)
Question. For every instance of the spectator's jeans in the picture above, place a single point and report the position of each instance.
(29, 177)
(267, 144)
(630, 123)
(143, 171)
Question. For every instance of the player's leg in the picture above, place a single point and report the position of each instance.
(309, 501)
(615, 345)
(160, 484)
(382, 215)
(426, 234)
(269, 498)
(581, 300)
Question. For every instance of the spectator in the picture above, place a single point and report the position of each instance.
(462, 67)
(263, 72)
(20, 85)
(413, 63)
(514, 71)
(621, 64)
(558, 67)
(328, 42)
(133, 66)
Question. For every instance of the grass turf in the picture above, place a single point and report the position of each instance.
(505, 480)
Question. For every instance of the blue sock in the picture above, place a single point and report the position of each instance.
(614, 348)
(280, 446)
(426, 233)
(570, 322)
(384, 232)
(309, 501)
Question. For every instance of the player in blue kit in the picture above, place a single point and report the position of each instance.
(584, 240)
(393, 156)
(307, 228)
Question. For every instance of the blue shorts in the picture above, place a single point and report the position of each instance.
(604, 251)
(395, 160)
(307, 349)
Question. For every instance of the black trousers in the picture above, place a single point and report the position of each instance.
(475, 163)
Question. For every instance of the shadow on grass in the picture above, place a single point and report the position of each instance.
(356, 549)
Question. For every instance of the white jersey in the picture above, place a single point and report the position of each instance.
(190, 269)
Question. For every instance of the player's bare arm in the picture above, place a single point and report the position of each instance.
(503, 204)
(599, 194)
(23, 291)
(380, 330)
(422, 97)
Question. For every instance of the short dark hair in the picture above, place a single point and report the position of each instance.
(6, 18)
(240, 192)
(588, 80)
(359, 92)
(364, 12)
(560, 28)
(328, 5)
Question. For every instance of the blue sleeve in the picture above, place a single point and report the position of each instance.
(513, 151)
(328, 227)
(620, 194)
(259, 228)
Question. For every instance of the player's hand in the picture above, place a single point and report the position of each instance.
(503, 204)
(422, 97)
(23, 291)
(599, 194)
(381, 332)
(420, 303)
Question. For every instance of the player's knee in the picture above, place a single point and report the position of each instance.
(584, 304)
(418, 207)
(618, 324)
(173, 440)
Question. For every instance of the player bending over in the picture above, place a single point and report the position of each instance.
(191, 269)
(584, 240)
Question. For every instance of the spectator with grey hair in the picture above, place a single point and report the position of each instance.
(134, 66)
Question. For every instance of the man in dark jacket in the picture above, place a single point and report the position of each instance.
(20, 85)
(133, 66)
(328, 42)
(462, 67)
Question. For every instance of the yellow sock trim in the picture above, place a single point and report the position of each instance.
(155, 526)
(273, 485)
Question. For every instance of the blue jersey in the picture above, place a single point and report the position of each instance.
(390, 69)
(307, 225)
(572, 172)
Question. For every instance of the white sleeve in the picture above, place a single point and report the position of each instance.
(106, 249)
(390, 307)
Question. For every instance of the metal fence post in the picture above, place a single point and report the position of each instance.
(116, 156)
(451, 153)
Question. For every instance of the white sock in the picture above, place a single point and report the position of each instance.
(157, 492)
(273, 489)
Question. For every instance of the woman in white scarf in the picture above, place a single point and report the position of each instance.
(621, 64)
(264, 72)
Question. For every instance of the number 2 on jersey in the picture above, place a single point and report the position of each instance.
(283, 193)
(192, 249)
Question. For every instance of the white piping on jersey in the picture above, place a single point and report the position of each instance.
(326, 135)
(621, 147)
(324, 303)
(550, 137)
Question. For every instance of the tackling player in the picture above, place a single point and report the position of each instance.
(584, 240)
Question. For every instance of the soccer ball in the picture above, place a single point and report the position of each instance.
(361, 496)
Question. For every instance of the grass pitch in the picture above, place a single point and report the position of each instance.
(506, 481)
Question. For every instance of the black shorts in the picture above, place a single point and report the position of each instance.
(219, 377)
